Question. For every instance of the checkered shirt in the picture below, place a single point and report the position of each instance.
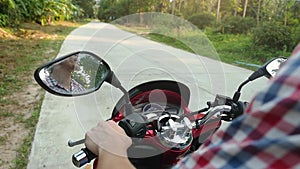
(74, 86)
(267, 136)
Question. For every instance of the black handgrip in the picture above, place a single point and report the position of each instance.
(83, 157)
(134, 125)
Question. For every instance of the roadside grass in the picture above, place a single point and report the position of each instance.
(21, 159)
(168, 41)
(22, 51)
(233, 49)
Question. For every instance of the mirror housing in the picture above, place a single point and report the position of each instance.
(75, 74)
(268, 70)
(273, 66)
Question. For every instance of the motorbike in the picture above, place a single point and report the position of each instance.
(155, 114)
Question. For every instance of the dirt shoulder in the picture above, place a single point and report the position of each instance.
(21, 52)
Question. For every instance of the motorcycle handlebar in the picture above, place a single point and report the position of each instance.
(238, 109)
(134, 125)
(85, 156)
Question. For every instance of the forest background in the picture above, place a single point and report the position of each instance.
(250, 31)
(254, 29)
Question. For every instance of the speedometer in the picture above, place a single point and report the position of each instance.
(152, 107)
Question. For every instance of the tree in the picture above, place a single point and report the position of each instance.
(52, 10)
(14, 12)
(87, 6)
(245, 8)
(173, 6)
(258, 12)
(202, 20)
(211, 6)
(218, 11)
(285, 11)
(236, 7)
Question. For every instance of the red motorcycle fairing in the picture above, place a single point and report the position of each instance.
(174, 96)
(167, 85)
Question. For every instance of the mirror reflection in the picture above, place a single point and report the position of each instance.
(78, 73)
(274, 66)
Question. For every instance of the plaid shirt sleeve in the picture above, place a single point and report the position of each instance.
(267, 136)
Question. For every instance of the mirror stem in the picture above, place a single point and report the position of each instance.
(257, 74)
(113, 80)
(128, 105)
(237, 94)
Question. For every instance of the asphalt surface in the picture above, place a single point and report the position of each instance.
(134, 60)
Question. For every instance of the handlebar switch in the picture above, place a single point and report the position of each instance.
(134, 125)
(237, 109)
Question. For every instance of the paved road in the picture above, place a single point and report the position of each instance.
(135, 60)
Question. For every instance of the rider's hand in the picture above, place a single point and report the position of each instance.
(110, 143)
(107, 136)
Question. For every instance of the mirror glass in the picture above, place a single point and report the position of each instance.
(274, 66)
(75, 74)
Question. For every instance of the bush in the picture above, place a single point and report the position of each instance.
(202, 20)
(295, 36)
(237, 25)
(3, 20)
(271, 35)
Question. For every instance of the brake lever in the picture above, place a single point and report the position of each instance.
(75, 143)
(196, 112)
(238, 109)
(212, 112)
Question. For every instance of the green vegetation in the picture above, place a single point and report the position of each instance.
(240, 30)
(31, 33)
(232, 48)
(272, 35)
(23, 50)
(236, 25)
(15, 12)
(255, 30)
(24, 149)
(202, 20)
(168, 40)
(2, 140)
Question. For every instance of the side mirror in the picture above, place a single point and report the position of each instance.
(268, 70)
(273, 66)
(75, 74)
